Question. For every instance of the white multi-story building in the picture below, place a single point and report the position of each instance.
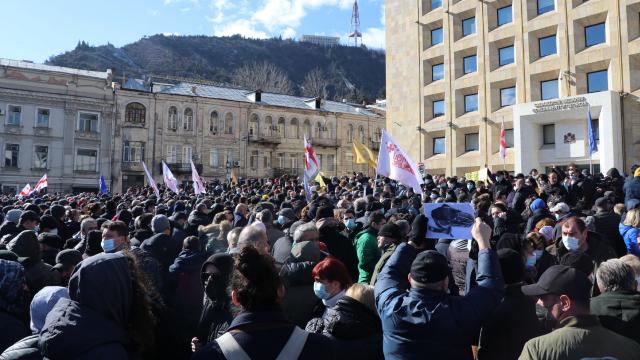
(321, 40)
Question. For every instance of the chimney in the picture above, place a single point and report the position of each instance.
(318, 103)
(257, 95)
(194, 89)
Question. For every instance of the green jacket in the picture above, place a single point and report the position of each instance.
(580, 337)
(368, 254)
(380, 264)
(619, 311)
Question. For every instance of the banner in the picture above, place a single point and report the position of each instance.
(397, 165)
(42, 183)
(26, 191)
(150, 180)
(170, 181)
(311, 165)
(198, 187)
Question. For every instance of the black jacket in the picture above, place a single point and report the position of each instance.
(606, 224)
(12, 330)
(339, 245)
(299, 300)
(25, 349)
(537, 215)
(619, 311)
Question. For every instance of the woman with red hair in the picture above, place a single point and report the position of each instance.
(330, 281)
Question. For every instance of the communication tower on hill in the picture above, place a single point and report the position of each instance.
(355, 25)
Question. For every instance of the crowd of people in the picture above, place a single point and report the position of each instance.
(264, 270)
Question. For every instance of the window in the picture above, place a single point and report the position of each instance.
(597, 81)
(254, 126)
(470, 103)
(361, 135)
(549, 89)
(228, 123)
(595, 127)
(508, 137)
(469, 26)
(505, 15)
(548, 134)
(187, 153)
(135, 113)
(594, 35)
(436, 36)
(188, 120)
(469, 64)
(86, 160)
(173, 118)
(254, 160)
(293, 161)
(544, 6)
(350, 133)
(330, 162)
(41, 160)
(88, 122)
(471, 142)
(172, 154)
(438, 108)
(229, 158)
(437, 72)
(294, 129)
(507, 96)
(213, 158)
(268, 126)
(14, 116)
(317, 130)
(282, 132)
(547, 45)
(280, 158)
(213, 122)
(42, 118)
(436, 4)
(11, 153)
(438, 145)
(505, 55)
(132, 151)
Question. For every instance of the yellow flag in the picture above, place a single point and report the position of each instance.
(234, 176)
(364, 155)
(320, 181)
(472, 175)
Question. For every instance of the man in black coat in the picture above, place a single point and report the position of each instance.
(606, 224)
(338, 245)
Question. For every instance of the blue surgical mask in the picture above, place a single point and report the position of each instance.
(571, 243)
(350, 223)
(537, 253)
(531, 261)
(320, 290)
(280, 220)
(108, 245)
(470, 187)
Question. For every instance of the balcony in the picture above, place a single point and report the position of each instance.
(131, 166)
(277, 172)
(334, 143)
(88, 135)
(266, 139)
(182, 168)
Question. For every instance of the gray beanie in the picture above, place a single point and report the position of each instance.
(159, 223)
(13, 215)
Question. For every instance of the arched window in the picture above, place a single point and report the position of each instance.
(254, 126)
(282, 132)
(268, 125)
(135, 113)
(294, 129)
(173, 118)
(361, 135)
(377, 136)
(317, 131)
(214, 125)
(188, 120)
(228, 123)
(306, 128)
(330, 130)
(350, 133)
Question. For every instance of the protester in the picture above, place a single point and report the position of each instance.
(38, 274)
(367, 250)
(14, 302)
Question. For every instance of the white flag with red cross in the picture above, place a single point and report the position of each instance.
(397, 165)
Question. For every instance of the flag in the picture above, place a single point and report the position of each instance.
(198, 187)
(169, 180)
(307, 191)
(102, 185)
(503, 142)
(26, 190)
(311, 165)
(150, 180)
(234, 176)
(364, 155)
(42, 183)
(320, 181)
(593, 145)
(396, 164)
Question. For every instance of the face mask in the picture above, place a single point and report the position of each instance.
(498, 178)
(558, 216)
(320, 290)
(450, 185)
(537, 253)
(108, 245)
(350, 223)
(531, 261)
(280, 220)
(54, 231)
(571, 243)
(37, 229)
(433, 196)
(470, 187)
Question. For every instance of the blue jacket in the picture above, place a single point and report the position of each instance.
(630, 235)
(425, 324)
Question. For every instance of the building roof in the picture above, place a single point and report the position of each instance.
(59, 69)
(242, 95)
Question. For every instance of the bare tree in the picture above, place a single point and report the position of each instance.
(315, 84)
(265, 76)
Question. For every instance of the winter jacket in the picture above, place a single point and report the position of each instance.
(554, 190)
(216, 307)
(273, 234)
(14, 305)
(630, 236)
(25, 349)
(386, 254)
(338, 245)
(520, 197)
(619, 311)
(420, 323)
(512, 324)
(8, 228)
(368, 254)
(92, 324)
(580, 337)
(631, 188)
(37, 272)
(299, 300)
(539, 214)
(607, 225)
(139, 236)
(263, 334)
(281, 250)
(185, 283)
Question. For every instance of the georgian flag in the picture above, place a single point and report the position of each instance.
(503, 142)
(198, 187)
(311, 164)
(42, 183)
(169, 180)
(150, 180)
(397, 165)
(26, 191)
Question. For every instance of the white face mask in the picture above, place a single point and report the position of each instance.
(571, 243)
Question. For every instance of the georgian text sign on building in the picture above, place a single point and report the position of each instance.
(561, 104)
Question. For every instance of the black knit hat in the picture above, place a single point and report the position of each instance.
(429, 266)
(324, 212)
(51, 240)
(390, 230)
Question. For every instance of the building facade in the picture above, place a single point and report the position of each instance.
(321, 40)
(458, 70)
(252, 133)
(57, 121)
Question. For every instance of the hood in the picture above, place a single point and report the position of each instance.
(223, 263)
(72, 329)
(13, 297)
(158, 245)
(25, 244)
(42, 304)
(102, 283)
(187, 261)
(350, 319)
(142, 234)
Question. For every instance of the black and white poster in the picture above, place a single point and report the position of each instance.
(449, 220)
